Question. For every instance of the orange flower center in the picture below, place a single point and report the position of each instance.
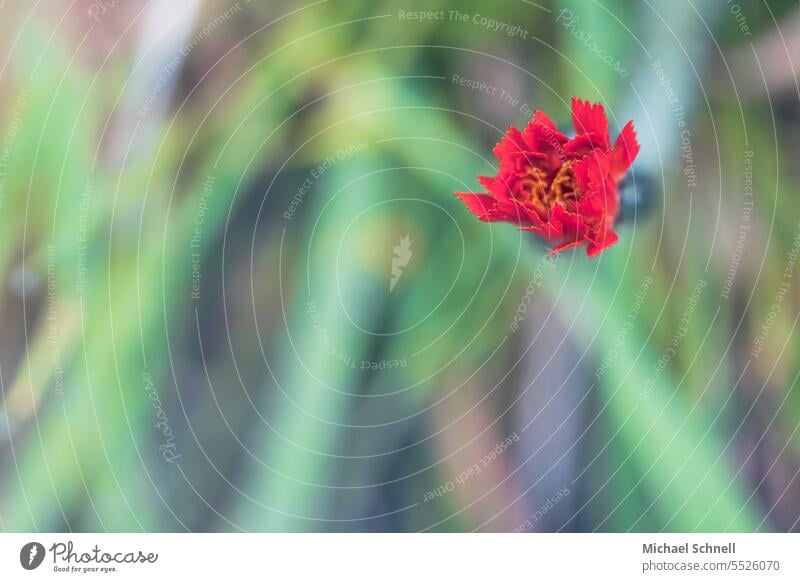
(563, 187)
(543, 196)
(534, 188)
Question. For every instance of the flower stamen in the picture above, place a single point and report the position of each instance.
(563, 190)
(534, 185)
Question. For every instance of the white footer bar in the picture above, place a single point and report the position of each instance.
(401, 557)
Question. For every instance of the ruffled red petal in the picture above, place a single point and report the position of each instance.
(565, 246)
(626, 148)
(489, 209)
(596, 247)
(481, 205)
(542, 118)
(584, 144)
(510, 143)
(590, 118)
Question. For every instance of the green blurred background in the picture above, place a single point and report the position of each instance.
(201, 204)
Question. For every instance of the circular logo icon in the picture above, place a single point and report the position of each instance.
(31, 555)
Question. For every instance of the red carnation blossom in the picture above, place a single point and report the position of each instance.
(562, 189)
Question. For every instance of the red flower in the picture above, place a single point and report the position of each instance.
(564, 190)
